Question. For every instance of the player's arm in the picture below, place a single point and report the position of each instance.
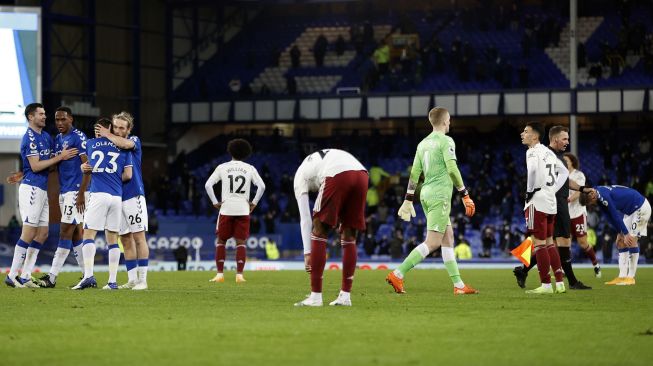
(260, 188)
(531, 174)
(120, 142)
(406, 211)
(39, 165)
(127, 173)
(14, 177)
(575, 195)
(562, 174)
(80, 201)
(305, 221)
(614, 217)
(208, 186)
(456, 178)
(579, 187)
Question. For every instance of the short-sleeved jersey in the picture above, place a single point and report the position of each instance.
(108, 163)
(70, 176)
(39, 144)
(236, 177)
(546, 165)
(616, 201)
(431, 157)
(312, 172)
(575, 208)
(134, 187)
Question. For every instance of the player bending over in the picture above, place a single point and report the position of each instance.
(341, 183)
(436, 158)
(235, 207)
(628, 212)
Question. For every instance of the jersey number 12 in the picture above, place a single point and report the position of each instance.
(238, 178)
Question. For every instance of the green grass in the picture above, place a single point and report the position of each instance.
(186, 320)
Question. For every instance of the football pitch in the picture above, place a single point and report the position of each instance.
(184, 319)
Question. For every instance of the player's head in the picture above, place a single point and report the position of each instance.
(559, 137)
(104, 122)
(532, 133)
(572, 161)
(589, 198)
(35, 113)
(123, 123)
(63, 119)
(239, 149)
(440, 119)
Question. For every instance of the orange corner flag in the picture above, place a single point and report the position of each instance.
(523, 251)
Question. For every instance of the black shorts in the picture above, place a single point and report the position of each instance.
(562, 226)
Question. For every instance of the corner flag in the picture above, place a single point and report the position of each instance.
(523, 251)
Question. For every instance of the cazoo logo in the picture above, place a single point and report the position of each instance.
(196, 242)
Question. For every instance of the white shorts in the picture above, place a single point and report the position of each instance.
(103, 212)
(33, 206)
(134, 215)
(637, 221)
(68, 207)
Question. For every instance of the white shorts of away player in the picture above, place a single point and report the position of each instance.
(33, 206)
(134, 215)
(103, 212)
(637, 221)
(68, 207)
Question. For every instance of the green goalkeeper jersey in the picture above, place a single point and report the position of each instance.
(431, 158)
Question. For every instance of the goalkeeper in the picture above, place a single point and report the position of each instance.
(436, 158)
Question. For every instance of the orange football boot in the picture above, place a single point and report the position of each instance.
(396, 283)
(465, 291)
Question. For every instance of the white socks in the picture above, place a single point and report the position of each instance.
(623, 262)
(78, 253)
(632, 263)
(57, 262)
(20, 251)
(114, 261)
(88, 251)
(30, 259)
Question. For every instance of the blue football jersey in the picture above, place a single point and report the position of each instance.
(108, 163)
(40, 144)
(70, 176)
(134, 187)
(617, 201)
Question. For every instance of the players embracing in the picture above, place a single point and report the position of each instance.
(134, 221)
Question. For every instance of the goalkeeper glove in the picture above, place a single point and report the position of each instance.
(406, 211)
(470, 207)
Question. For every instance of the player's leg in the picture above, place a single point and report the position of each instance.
(224, 231)
(131, 261)
(78, 244)
(88, 250)
(349, 258)
(352, 220)
(143, 254)
(554, 256)
(589, 251)
(32, 253)
(241, 233)
(537, 225)
(42, 218)
(450, 263)
(95, 219)
(562, 240)
(29, 210)
(112, 226)
(637, 224)
(66, 230)
(135, 221)
(20, 251)
(318, 258)
(114, 258)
